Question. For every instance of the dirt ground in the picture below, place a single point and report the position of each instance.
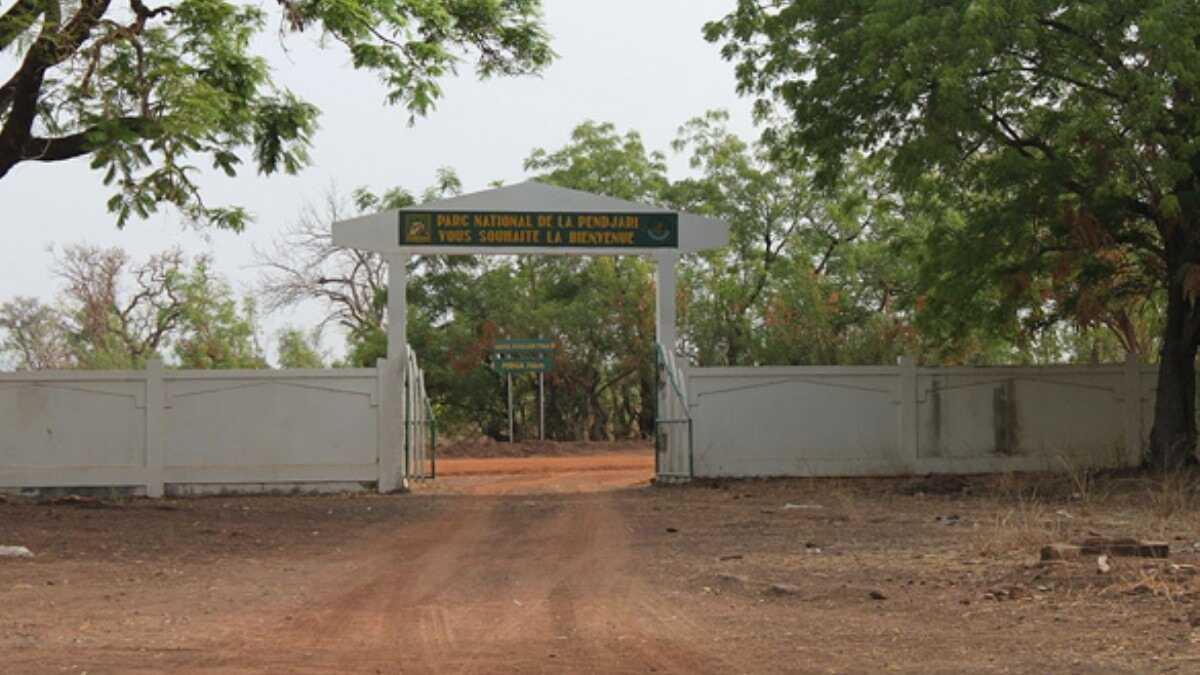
(576, 565)
(486, 447)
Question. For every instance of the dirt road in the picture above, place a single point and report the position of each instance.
(507, 575)
(508, 583)
(569, 564)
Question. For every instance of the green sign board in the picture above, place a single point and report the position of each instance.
(507, 229)
(522, 364)
(525, 346)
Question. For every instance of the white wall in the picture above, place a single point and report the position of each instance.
(290, 426)
(159, 429)
(823, 421)
(74, 428)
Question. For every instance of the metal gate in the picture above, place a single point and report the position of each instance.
(673, 460)
(420, 424)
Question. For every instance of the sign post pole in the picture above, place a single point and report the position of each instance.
(510, 415)
(525, 356)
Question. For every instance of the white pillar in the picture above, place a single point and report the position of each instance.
(664, 306)
(909, 446)
(664, 334)
(1132, 384)
(155, 431)
(391, 424)
(397, 307)
(393, 419)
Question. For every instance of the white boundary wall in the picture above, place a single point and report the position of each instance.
(186, 430)
(189, 430)
(848, 421)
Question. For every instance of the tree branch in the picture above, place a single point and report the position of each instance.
(78, 144)
(23, 91)
(18, 19)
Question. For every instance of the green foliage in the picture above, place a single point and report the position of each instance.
(600, 160)
(152, 93)
(1064, 135)
(34, 336)
(113, 313)
(811, 275)
(599, 310)
(215, 330)
(297, 349)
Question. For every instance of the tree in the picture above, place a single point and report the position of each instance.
(215, 330)
(808, 276)
(34, 335)
(115, 313)
(610, 334)
(108, 326)
(145, 91)
(598, 159)
(350, 284)
(298, 349)
(1064, 132)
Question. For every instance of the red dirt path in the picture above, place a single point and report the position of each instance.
(567, 564)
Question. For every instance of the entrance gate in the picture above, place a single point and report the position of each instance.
(673, 442)
(420, 426)
(529, 218)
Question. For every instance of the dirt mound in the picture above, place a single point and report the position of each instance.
(486, 447)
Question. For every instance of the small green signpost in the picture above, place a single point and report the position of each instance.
(522, 365)
(525, 356)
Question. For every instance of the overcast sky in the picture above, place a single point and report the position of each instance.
(641, 64)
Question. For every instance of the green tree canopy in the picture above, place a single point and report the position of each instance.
(215, 330)
(298, 349)
(1066, 134)
(809, 275)
(149, 91)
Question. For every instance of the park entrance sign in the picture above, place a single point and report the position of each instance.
(557, 230)
(530, 218)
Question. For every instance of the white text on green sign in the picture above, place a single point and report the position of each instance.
(522, 365)
(525, 346)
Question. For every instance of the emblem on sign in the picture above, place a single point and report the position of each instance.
(417, 228)
(658, 231)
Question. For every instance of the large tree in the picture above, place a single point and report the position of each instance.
(809, 275)
(34, 335)
(349, 284)
(603, 310)
(148, 91)
(1066, 132)
(114, 312)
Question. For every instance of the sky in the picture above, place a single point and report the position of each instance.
(640, 64)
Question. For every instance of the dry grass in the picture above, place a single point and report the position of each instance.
(956, 560)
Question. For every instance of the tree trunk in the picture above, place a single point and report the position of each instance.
(1173, 437)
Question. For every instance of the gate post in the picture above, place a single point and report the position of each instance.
(1132, 384)
(664, 338)
(664, 306)
(910, 447)
(393, 465)
(155, 428)
(391, 424)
